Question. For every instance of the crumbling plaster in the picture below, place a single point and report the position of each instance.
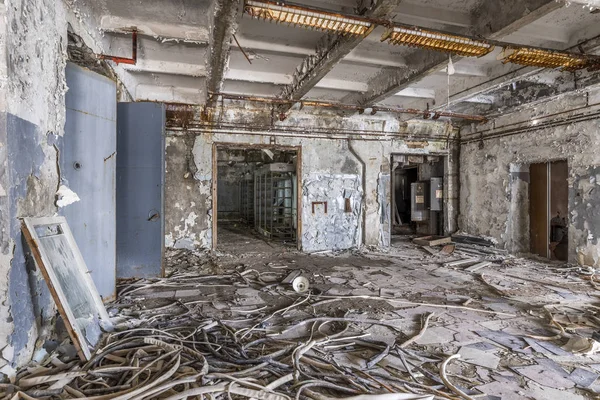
(34, 43)
(494, 178)
(330, 170)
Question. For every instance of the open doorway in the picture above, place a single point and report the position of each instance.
(417, 194)
(548, 208)
(255, 195)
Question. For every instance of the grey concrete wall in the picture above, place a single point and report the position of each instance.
(33, 46)
(330, 171)
(494, 175)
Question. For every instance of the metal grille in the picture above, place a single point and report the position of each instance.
(274, 204)
(415, 37)
(307, 18)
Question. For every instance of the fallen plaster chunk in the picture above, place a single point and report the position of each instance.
(581, 345)
(483, 358)
(65, 196)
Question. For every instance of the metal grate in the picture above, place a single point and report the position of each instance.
(307, 18)
(416, 37)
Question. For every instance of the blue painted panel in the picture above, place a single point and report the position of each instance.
(140, 181)
(88, 167)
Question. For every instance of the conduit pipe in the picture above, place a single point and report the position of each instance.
(364, 188)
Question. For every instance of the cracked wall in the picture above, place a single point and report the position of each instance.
(331, 170)
(34, 42)
(494, 175)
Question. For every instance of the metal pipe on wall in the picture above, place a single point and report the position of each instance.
(364, 187)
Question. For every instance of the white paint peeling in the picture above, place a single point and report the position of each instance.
(65, 196)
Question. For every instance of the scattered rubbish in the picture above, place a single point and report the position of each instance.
(430, 250)
(581, 345)
(478, 266)
(462, 262)
(432, 240)
(448, 249)
(468, 239)
(298, 282)
(484, 358)
(61, 263)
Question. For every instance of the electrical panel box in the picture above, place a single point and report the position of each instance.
(419, 194)
(436, 194)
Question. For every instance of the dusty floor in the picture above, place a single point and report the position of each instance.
(354, 330)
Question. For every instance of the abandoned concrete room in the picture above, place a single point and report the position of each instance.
(318, 199)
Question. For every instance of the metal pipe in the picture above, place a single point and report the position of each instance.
(299, 132)
(364, 188)
(124, 60)
(291, 134)
(351, 107)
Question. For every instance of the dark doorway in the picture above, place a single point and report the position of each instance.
(403, 179)
(417, 194)
(548, 208)
(256, 196)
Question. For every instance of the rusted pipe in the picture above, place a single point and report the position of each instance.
(350, 107)
(124, 60)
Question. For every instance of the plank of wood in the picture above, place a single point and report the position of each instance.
(458, 263)
(432, 240)
(429, 250)
(478, 266)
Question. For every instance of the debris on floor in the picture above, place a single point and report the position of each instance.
(371, 326)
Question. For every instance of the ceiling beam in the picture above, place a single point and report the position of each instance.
(503, 76)
(226, 15)
(493, 20)
(330, 51)
(157, 30)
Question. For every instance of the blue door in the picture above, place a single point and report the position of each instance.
(87, 167)
(140, 181)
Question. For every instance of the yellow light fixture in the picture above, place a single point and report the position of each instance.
(533, 57)
(308, 18)
(432, 40)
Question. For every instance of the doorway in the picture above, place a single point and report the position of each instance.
(548, 208)
(417, 194)
(255, 195)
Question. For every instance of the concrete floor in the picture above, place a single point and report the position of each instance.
(497, 318)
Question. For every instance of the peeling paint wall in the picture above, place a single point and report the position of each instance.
(494, 177)
(331, 169)
(185, 196)
(34, 42)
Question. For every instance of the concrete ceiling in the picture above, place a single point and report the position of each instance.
(178, 43)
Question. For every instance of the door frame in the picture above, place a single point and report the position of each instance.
(245, 146)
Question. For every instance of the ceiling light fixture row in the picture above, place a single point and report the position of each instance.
(413, 36)
(308, 18)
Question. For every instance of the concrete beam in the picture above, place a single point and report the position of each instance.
(330, 51)
(157, 30)
(502, 76)
(417, 92)
(224, 25)
(166, 67)
(493, 19)
(277, 78)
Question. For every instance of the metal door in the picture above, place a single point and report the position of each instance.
(140, 181)
(87, 167)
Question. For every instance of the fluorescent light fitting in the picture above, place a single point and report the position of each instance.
(533, 57)
(432, 40)
(307, 18)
